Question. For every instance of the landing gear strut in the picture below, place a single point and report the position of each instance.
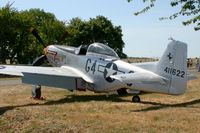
(122, 92)
(36, 91)
(136, 99)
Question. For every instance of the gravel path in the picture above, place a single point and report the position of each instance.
(10, 82)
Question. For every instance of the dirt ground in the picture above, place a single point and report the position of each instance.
(87, 112)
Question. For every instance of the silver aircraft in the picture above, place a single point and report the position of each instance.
(98, 68)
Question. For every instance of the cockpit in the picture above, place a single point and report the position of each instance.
(97, 49)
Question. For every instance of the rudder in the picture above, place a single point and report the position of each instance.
(173, 66)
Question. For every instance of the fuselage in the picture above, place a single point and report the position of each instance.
(98, 67)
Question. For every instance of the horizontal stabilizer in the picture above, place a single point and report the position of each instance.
(140, 77)
(191, 75)
(150, 66)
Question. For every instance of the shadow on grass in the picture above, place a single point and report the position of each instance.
(158, 106)
(7, 108)
(87, 98)
(112, 98)
(69, 99)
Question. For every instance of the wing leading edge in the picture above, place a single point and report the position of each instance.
(62, 77)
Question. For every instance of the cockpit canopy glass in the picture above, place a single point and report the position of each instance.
(99, 48)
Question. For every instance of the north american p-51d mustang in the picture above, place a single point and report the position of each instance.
(98, 68)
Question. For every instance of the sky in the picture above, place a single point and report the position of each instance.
(144, 35)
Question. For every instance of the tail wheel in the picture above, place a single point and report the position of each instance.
(136, 99)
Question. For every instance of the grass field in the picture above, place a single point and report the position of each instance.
(86, 112)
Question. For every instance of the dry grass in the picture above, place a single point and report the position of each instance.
(82, 112)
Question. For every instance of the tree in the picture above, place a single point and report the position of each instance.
(46, 23)
(49, 28)
(187, 8)
(98, 29)
(8, 32)
(16, 41)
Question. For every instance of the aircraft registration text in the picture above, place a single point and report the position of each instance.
(175, 72)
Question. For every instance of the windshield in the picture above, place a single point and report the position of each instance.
(102, 49)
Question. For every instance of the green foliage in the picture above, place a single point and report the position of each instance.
(9, 22)
(98, 29)
(18, 44)
(189, 8)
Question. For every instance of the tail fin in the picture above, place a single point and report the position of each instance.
(173, 66)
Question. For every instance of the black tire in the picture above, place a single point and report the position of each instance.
(36, 91)
(122, 92)
(136, 99)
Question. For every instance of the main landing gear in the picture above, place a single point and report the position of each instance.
(122, 92)
(136, 99)
(36, 92)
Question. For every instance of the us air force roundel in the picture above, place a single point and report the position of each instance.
(110, 69)
(2, 67)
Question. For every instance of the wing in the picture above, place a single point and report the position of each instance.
(62, 77)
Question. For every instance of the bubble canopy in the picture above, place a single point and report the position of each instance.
(99, 48)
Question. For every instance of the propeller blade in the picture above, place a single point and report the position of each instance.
(40, 60)
(34, 32)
